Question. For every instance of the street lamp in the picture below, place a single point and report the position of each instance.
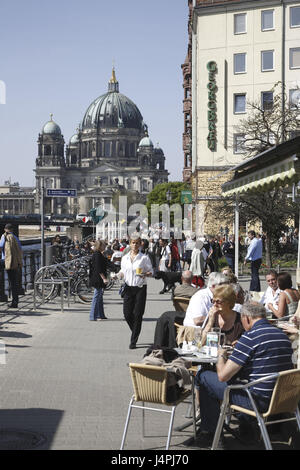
(169, 195)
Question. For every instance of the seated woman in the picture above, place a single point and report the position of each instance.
(288, 298)
(222, 315)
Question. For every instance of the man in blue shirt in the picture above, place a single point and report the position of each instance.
(262, 350)
(254, 254)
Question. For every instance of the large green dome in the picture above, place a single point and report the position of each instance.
(112, 110)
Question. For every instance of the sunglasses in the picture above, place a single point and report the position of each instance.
(217, 301)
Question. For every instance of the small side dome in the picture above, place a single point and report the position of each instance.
(74, 139)
(146, 142)
(51, 127)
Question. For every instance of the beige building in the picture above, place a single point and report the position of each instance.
(240, 49)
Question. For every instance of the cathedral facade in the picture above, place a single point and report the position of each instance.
(110, 153)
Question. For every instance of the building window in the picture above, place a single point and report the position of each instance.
(295, 58)
(238, 143)
(267, 61)
(240, 63)
(239, 103)
(240, 26)
(267, 20)
(267, 100)
(295, 17)
(106, 149)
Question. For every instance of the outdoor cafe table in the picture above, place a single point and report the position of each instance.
(196, 358)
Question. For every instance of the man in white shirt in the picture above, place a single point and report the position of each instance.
(135, 268)
(271, 296)
(201, 302)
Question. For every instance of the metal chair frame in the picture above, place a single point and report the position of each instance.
(274, 407)
(150, 386)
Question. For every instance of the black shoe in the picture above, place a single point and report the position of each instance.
(204, 439)
(162, 291)
(102, 318)
(13, 305)
(132, 346)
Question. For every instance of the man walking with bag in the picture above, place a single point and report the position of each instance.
(13, 260)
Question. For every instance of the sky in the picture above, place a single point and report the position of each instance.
(56, 57)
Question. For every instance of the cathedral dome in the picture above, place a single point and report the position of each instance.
(74, 139)
(112, 110)
(146, 142)
(51, 127)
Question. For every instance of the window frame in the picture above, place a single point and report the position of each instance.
(297, 25)
(261, 59)
(290, 57)
(261, 20)
(235, 150)
(262, 101)
(234, 103)
(234, 24)
(236, 54)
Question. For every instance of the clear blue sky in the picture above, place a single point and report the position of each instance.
(56, 57)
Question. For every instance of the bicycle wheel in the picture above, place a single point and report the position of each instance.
(83, 290)
(48, 291)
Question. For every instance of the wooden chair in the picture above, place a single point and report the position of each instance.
(285, 399)
(150, 385)
(181, 303)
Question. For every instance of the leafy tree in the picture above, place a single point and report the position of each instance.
(159, 194)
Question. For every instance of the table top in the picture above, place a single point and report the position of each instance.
(196, 357)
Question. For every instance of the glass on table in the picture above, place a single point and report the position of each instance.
(197, 337)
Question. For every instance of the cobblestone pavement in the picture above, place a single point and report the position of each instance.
(65, 383)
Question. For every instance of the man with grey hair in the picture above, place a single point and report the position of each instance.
(252, 358)
(201, 302)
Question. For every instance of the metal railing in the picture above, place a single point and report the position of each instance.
(31, 264)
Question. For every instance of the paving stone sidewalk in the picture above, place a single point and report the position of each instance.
(66, 385)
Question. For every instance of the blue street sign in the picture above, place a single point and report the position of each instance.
(61, 192)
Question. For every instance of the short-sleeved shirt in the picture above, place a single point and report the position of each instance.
(261, 351)
(199, 306)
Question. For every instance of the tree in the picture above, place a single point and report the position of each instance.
(159, 195)
(267, 124)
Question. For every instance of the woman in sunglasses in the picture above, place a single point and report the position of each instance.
(221, 315)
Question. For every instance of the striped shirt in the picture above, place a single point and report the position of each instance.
(261, 351)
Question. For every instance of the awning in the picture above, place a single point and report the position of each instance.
(273, 168)
(285, 173)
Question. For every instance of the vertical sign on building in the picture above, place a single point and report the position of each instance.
(212, 106)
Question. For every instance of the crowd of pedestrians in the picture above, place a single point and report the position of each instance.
(191, 268)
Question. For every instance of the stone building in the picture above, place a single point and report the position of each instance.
(240, 50)
(111, 151)
(187, 102)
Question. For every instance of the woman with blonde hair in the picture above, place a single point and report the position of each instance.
(222, 315)
(98, 279)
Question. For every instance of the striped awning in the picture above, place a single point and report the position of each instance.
(280, 174)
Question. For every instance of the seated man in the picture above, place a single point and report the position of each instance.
(185, 289)
(251, 359)
(271, 296)
(201, 302)
(165, 331)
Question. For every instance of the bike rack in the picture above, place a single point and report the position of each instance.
(44, 276)
(56, 274)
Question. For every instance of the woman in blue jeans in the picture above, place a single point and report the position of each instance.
(98, 280)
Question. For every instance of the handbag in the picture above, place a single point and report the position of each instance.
(122, 290)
